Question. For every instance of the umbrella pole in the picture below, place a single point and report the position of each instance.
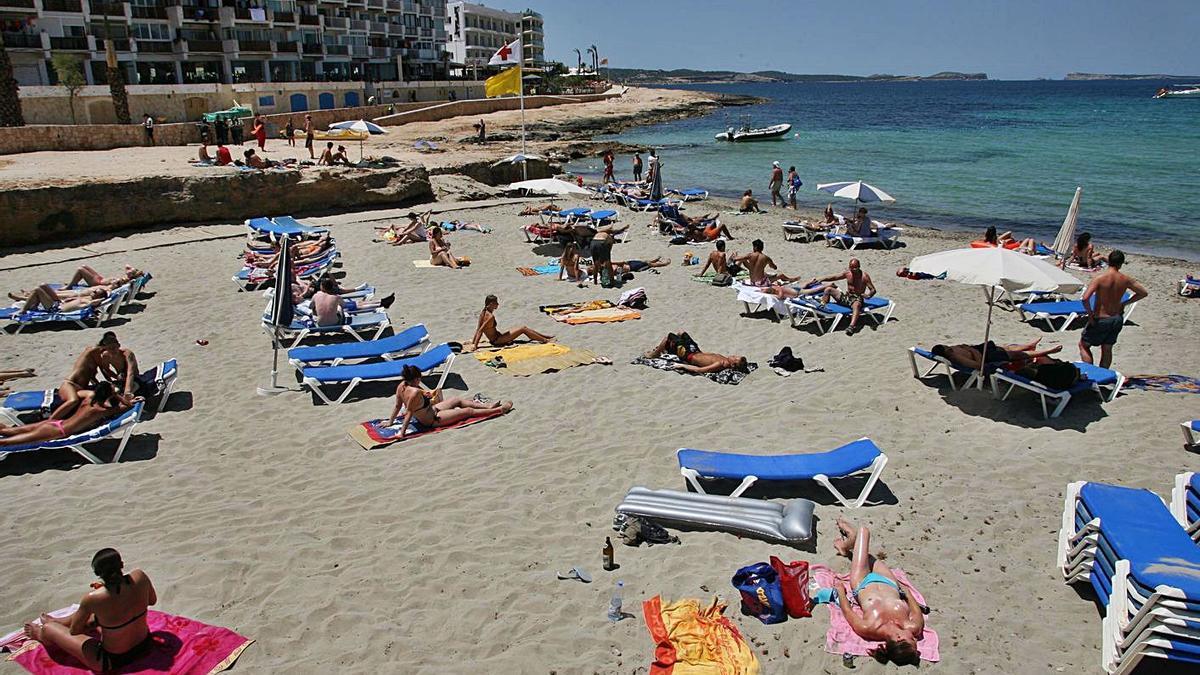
(274, 388)
(987, 334)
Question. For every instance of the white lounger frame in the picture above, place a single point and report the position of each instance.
(1189, 436)
(1179, 505)
(951, 370)
(125, 430)
(104, 313)
(343, 329)
(1062, 398)
(803, 313)
(876, 469)
(315, 385)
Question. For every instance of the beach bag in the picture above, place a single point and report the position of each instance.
(793, 582)
(762, 596)
(1058, 375)
(635, 299)
(722, 279)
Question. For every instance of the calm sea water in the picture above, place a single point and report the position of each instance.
(964, 155)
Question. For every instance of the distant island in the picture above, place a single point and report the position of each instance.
(688, 76)
(1121, 76)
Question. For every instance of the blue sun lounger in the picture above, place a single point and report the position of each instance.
(317, 377)
(1185, 503)
(282, 226)
(1064, 312)
(1105, 382)
(41, 402)
(118, 427)
(693, 194)
(312, 270)
(805, 309)
(359, 325)
(603, 217)
(1142, 566)
(950, 367)
(387, 348)
(1191, 431)
(96, 316)
(852, 458)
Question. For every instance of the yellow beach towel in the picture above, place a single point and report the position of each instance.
(694, 640)
(531, 359)
(519, 353)
(608, 315)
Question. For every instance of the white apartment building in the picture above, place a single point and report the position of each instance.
(474, 32)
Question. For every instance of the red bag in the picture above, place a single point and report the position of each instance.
(793, 577)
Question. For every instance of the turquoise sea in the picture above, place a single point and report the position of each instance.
(964, 155)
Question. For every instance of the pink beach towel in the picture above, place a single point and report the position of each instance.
(181, 647)
(841, 638)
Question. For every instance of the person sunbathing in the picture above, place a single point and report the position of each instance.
(340, 157)
(95, 407)
(859, 288)
(415, 231)
(439, 250)
(303, 253)
(631, 266)
(430, 410)
(718, 260)
(711, 230)
(119, 366)
(1084, 254)
(974, 356)
(539, 209)
(830, 218)
(861, 226)
(254, 161)
(46, 299)
(693, 360)
(487, 327)
(1027, 246)
(86, 275)
(888, 613)
(330, 308)
(749, 204)
(568, 264)
(116, 606)
(458, 225)
(6, 375)
(202, 157)
(757, 263)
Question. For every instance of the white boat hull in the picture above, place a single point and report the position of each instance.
(770, 133)
(1192, 92)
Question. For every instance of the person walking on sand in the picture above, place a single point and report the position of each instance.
(637, 167)
(794, 184)
(1106, 314)
(309, 136)
(290, 130)
(148, 128)
(260, 132)
(487, 327)
(609, 177)
(776, 184)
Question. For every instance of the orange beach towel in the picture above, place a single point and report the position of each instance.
(694, 640)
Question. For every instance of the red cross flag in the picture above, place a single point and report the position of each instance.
(509, 55)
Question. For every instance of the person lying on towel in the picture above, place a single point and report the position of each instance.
(95, 407)
(115, 607)
(889, 615)
(695, 361)
(487, 327)
(539, 208)
(973, 356)
(429, 409)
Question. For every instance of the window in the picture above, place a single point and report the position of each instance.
(266, 101)
(151, 31)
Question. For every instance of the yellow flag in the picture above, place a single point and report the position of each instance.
(507, 82)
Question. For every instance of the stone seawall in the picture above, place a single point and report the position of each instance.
(53, 214)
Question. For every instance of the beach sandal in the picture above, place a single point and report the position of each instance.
(497, 362)
(602, 360)
(576, 573)
(480, 398)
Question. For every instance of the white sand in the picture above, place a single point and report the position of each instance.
(438, 555)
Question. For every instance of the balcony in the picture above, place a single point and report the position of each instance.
(140, 12)
(78, 43)
(254, 45)
(19, 4)
(199, 13)
(337, 50)
(119, 44)
(204, 46)
(310, 20)
(284, 17)
(336, 21)
(378, 27)
(286, 47)
(396, 5)
(357, 24)
(380, 52)
(107, 9)
(426, 32)
(312, 49)
(360, 51)
(22, 40)
(62, 6)
(154, 47)
(376, 4)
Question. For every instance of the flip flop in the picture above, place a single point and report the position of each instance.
(576, 573)
(603, 360)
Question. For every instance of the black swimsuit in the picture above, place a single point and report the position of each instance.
(110, 661)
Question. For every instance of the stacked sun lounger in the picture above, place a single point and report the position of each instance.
(1142, 566)
(280, 226)
(1191, 432)
(264, 234)
(1105, 382)
(1185, 503)
(1189, 287)
(1059, 315)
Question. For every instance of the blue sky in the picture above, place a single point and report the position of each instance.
(1010, 39)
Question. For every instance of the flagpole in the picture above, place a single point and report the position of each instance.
(525, 161)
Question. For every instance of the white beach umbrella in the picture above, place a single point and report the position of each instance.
(518, 158)
(856, 190)
(361, 126)
(1064, 243)
(995, 268)
(548, 186)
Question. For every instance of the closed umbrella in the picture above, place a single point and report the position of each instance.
(548, 186)
(856, 190)
(656, 188)
(282, 309)
(995, 268)
(362, 126)
(1064, 243)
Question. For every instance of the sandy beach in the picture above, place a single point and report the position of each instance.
(439, 555)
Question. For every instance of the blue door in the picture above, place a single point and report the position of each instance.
(326, 101)
(299, 102)
(352, 99)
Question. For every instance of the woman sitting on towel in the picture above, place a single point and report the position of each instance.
(116, 606)
(439, 250)
(1084, 254)
(568, 264)
(889, 615)
(96, 407)
(429, 410)
(487, 326)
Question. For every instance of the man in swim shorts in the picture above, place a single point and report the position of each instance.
(1106, 315)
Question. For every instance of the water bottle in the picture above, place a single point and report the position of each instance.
(614, 606)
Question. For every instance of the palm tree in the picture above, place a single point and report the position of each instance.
(579, 62)
(116, 79)
(595, 59)
(10, 101)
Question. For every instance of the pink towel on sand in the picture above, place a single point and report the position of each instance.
(181, 647)
(841, 638)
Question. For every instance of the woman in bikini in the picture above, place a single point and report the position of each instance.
(44, 298)
(487, 327)
(439, 249)
(86, 275)
(568, 264)
(429, 410)
(1084, 255)
(888, 613)
(116, 606)
(97, 406)
(118, 365)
